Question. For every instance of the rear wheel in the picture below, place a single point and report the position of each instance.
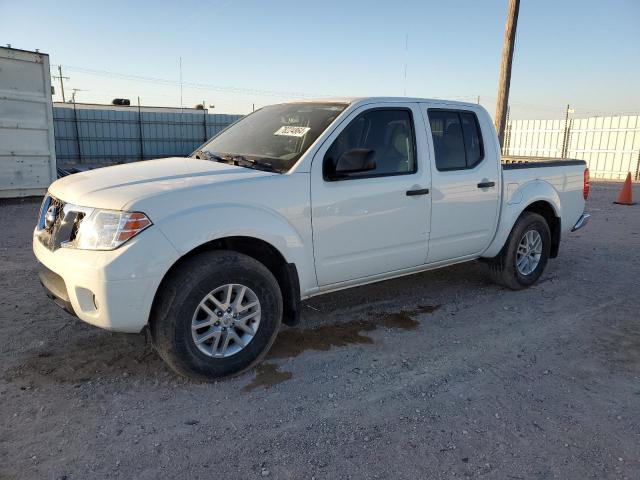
(216, 315)
(525, 254)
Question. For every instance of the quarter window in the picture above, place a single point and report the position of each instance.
(387, 133)
(456, 139)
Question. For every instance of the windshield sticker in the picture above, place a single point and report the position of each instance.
(290, 131)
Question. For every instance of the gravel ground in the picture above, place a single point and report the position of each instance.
(437, 375)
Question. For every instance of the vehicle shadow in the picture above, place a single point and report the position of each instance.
(433, 287)
(87, 354)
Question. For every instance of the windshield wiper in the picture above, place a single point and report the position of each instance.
(237, 160)
(242, 161)
(207, 155)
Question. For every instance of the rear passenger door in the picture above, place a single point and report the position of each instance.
(465, 182)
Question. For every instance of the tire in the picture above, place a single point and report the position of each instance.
(178, 306)
(503, 267)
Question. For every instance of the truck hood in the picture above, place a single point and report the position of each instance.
(120, 185)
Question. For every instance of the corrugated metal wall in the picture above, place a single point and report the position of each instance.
(609, 145)
(534, 138)
(99, 135)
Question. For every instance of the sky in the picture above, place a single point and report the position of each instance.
(237, 55)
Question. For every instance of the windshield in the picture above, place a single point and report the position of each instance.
(276, 135)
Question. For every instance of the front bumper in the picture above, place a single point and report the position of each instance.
(113, 289)
(582, 221)
(55, 287)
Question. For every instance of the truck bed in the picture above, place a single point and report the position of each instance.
(568, 182)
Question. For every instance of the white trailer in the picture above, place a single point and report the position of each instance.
(27, 144)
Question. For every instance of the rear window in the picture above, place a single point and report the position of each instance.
(457, 141)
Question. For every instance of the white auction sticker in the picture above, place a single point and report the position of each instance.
(290, 131)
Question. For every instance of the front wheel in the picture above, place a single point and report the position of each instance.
(525, 254)
(216, 315)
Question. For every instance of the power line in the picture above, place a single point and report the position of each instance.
(281, 93)
(202, 86)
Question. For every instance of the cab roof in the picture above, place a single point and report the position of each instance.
(365, 100)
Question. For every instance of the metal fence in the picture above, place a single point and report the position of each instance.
(100, 135)
(609, 145)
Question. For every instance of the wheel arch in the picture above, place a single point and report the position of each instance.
(548, 212)
(536, 196)
(285, 273)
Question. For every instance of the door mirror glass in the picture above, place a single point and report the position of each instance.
(355, 160)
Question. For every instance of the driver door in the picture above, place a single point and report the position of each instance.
(376, 221)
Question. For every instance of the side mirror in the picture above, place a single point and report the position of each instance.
(355, 160)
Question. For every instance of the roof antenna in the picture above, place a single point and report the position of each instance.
(406, 57)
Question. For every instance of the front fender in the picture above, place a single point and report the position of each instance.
(194, 227)
(516, 199)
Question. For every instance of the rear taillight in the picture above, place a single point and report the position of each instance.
(585, 188)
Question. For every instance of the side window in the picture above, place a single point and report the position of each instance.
(447, 140)
(472, 140)
(388, 138)
(456, 139)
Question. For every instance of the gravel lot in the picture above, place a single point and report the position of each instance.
(437, 375)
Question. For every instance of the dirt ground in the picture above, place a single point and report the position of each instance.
(437, 375)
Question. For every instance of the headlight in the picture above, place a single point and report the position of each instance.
(106, 229)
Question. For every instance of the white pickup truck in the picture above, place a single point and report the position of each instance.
(214, 251)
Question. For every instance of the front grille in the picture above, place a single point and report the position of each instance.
(59, 208)
(56, 226)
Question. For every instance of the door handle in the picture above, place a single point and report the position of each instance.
(486, 184)
(421, 191)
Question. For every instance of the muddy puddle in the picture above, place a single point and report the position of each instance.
(292, 342)
(267, 375)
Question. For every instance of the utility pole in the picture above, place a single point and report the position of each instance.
(205, 112)
(505, 68)
(73, 93)
(61, 82)
(567, 130)
(507, 134)
(140, 131)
